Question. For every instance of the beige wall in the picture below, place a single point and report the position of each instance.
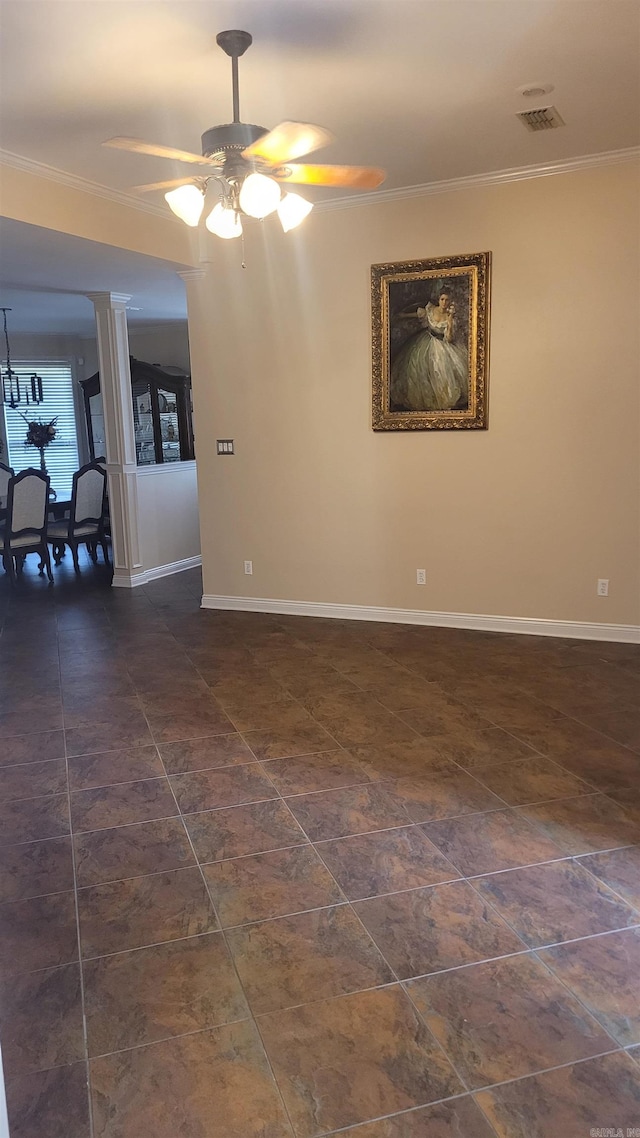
(519, 520)
(42, 201)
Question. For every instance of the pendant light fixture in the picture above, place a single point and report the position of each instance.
(12, 394)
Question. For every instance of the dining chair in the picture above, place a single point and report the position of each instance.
(102, 461)
(6, 472)
(25, 529)
(85, 524)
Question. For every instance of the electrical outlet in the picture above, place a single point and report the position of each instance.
(603, 587)
(248, 567)
(421, 576)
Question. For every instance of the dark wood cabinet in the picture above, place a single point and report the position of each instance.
(161, 402)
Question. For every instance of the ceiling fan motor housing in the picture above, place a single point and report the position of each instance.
(219, 140)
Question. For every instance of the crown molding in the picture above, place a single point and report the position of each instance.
(492, 178)
(472, 181)
(191, 274)
(75, 182)
(108, 300)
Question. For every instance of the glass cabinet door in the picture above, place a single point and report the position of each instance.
(96, 413)
(161, 403)
(169, 425)
(143, 424)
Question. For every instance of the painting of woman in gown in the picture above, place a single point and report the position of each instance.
(431, 370)
(430, 322)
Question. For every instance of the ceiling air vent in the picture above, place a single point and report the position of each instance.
(543, 118)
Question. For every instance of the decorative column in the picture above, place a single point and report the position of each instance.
(122, 468)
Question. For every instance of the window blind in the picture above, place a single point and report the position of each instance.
(61, 456)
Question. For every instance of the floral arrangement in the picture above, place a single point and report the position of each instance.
(40, 434)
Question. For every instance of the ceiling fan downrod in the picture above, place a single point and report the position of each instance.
(234, 43)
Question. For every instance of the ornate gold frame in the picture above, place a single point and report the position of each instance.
(475, 266)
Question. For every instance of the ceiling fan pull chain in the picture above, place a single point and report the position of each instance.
(242, 263)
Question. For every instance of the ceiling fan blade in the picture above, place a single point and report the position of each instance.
(151, 186)
(356, 177)
(138, 146)
(287, 141)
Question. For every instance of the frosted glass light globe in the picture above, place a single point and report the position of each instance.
(292, 210)
(259, 195)
(224, 222)
(187, 202)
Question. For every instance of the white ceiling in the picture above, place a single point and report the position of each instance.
(425, 88)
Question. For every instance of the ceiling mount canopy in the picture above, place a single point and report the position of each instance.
(248, 163)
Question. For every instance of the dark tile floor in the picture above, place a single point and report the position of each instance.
(272, 877)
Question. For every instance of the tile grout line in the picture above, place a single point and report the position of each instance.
(383, 957)
(410, 824)
(78, 937)
(345, 1131)
(316, 842)
(401, 984)
(369, 937)
(313, 846)
(232, 961)
(591, 792)
(524, 951)
(617, 1050)
(589, 1013)
(561, 714)
(553, 944)
(475, 776)
(398, 715)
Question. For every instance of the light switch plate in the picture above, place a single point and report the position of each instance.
(225, 446)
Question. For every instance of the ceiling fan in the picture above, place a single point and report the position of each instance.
(248, 163)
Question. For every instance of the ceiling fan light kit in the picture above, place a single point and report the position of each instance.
(224, 221)
(259, 195)
(187, 202)
(248, 162)
(292, 210)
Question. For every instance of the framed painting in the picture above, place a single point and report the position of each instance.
(430, 339)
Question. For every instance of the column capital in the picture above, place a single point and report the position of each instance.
(108, 299)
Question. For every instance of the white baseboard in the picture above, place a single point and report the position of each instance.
(624, 633)
(132, 580)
